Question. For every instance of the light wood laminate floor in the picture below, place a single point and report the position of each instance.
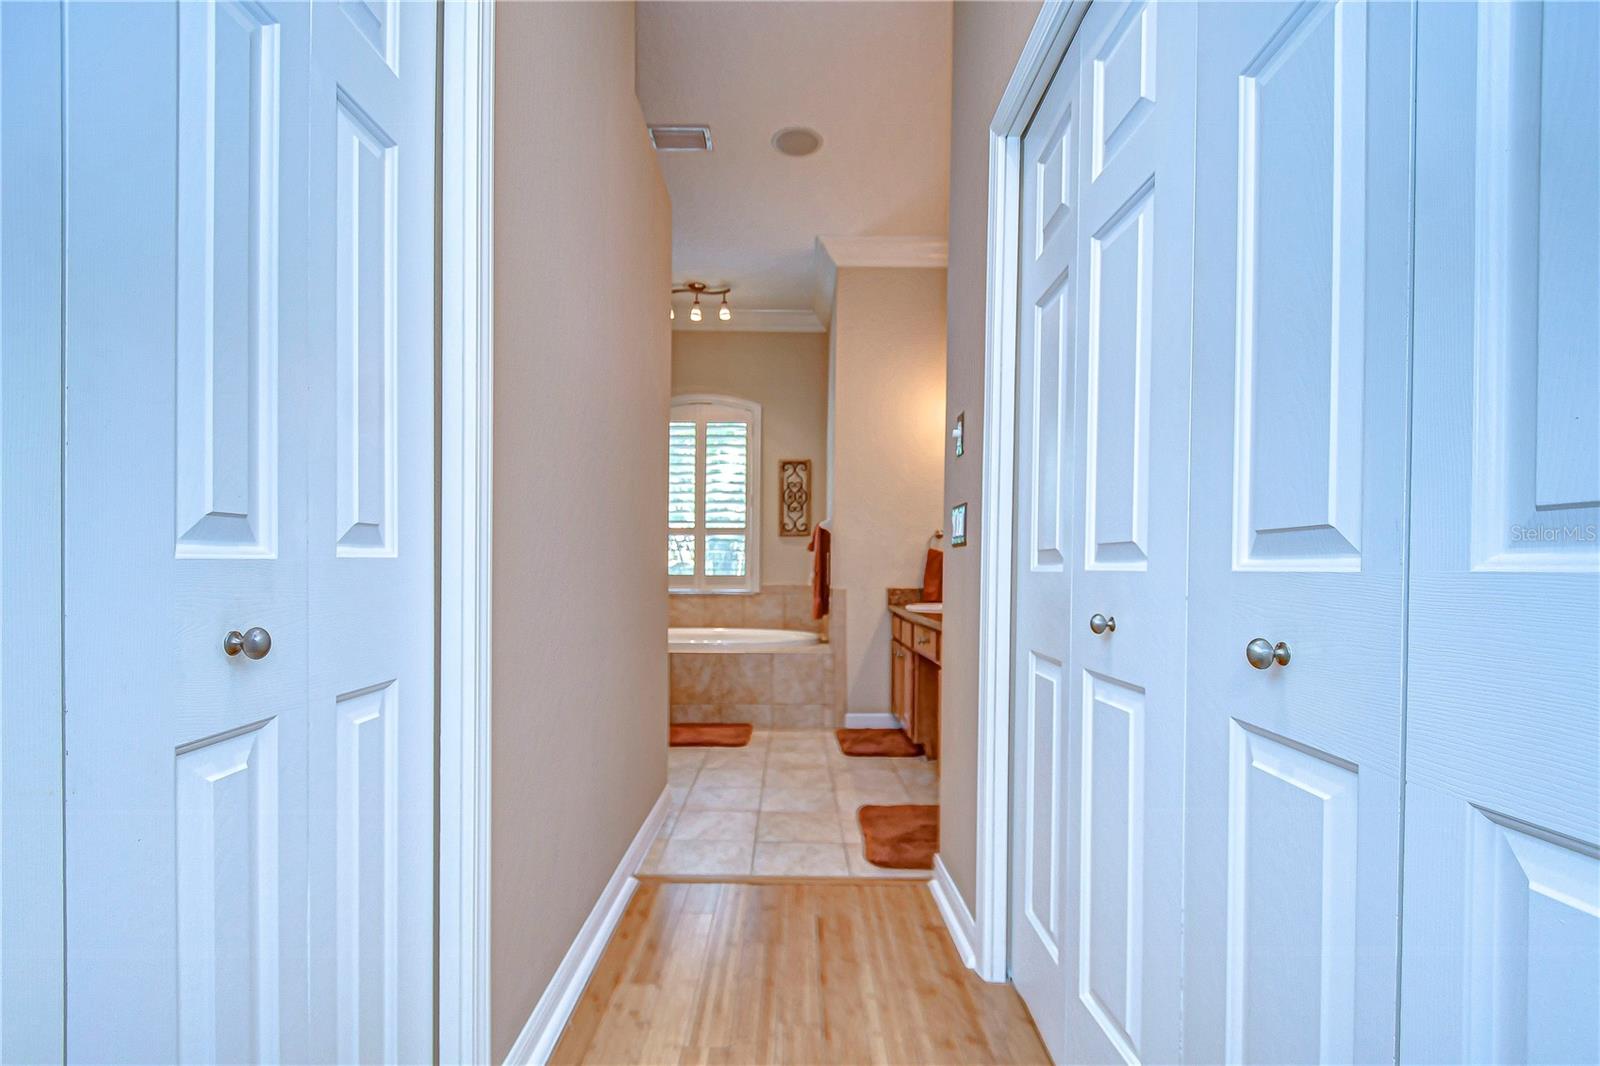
(793, 973)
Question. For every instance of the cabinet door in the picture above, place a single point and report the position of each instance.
(908, 694)
(1502, 866)
(897, 683)
(925, 705)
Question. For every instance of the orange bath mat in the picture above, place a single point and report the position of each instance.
(900, 837)
(710, 734)
(877, 743)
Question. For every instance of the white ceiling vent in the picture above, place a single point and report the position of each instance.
(681, 138)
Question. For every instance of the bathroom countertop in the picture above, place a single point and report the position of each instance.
(932, 621)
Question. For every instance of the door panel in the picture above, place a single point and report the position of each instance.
(1117, 460)
(1302, 185)
(228, 877)
(1112, 848)
(1041, 811)
(1502, 889)
(230, 98)
(1129, 554)
(1297, 510)
(1291, 903)
(250, 371)
(1041, 746)
(365, 221)
(185, 519)
(370, 537)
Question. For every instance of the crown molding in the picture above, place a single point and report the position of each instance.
(761, 320)
(833, 254)
(929, 252)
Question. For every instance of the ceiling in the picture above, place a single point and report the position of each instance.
(872, 78)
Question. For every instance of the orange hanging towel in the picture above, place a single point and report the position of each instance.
(820, 576)
(933, 577)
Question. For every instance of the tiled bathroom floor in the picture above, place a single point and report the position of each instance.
(784, 806)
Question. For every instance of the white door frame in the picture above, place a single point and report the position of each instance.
(1052, 32)
(466, 437)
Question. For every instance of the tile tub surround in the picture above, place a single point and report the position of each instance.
(774, 607)
(785, 806)
(789, 689)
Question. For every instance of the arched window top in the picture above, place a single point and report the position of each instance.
(732, 406)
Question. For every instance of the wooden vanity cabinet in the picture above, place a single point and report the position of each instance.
(914, 681)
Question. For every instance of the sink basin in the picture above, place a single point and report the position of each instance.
(925, 608)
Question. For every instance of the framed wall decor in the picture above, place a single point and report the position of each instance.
(794, 497)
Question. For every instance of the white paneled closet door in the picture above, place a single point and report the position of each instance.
(1128, 556)
(370, 530)
(249, 257)
(1501, 954)
(1298, 504)
(185, 494)
(1042, 966)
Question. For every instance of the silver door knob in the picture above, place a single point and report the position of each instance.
(255, 642)
(1261, 653)
(1101, 624)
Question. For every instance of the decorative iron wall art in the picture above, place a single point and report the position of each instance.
(794, 497)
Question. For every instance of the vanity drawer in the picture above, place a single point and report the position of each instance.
(925, 642)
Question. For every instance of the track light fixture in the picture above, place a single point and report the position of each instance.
(700, 288)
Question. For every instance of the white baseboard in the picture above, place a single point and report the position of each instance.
(870, 720)
(538, 1037)
(962, 925)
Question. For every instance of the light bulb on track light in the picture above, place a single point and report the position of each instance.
(725, 312)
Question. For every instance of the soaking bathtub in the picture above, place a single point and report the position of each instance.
(727, 640)
(771, 678)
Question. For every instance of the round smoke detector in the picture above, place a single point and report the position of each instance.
(796, 140)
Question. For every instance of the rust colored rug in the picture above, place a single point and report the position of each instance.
(900, 837)
(877, 743)
(710, 734)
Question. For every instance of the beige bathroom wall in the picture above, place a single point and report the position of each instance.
(888, 370)
(787, 373)
(988, 39)
(582, 381)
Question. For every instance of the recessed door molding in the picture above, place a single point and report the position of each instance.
(1047, 44)
(466, 400)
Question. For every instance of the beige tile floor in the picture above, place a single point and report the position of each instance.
(784, 806)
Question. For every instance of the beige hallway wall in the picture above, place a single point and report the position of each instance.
(582, 380)
(887, 368)
(988, 39)
(787, 374)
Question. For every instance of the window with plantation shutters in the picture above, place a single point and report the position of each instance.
(713, 466)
